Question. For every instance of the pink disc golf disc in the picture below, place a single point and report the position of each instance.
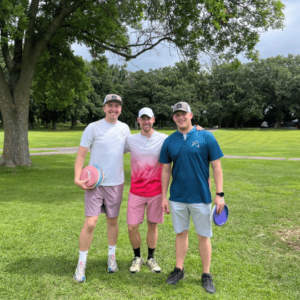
(93, 174)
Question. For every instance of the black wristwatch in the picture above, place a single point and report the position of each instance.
(220, 194)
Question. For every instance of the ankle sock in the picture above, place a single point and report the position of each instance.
(151, 252)
(112, 250)
(137, 252)
(82, 256)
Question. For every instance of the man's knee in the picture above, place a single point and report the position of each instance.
(133, 228)
(112, 221)
(152, 226)
(90, 223)
(203, 239)
(182, 234)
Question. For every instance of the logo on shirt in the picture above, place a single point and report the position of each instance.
(196, 143)
(122, 133)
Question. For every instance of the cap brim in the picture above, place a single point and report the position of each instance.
(113, 100)
(146, 115)
(174, 112)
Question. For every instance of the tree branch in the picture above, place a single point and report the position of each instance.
(31, 14)
(5, 95)
(41, 44)
(113, 48)
(4, 46)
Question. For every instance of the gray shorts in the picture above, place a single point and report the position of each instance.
(104, 199)
(200, 213)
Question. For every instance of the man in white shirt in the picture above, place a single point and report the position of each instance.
(105, 139)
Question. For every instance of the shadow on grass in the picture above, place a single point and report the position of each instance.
(96, 270)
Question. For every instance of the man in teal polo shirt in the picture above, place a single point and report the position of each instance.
(191, 152)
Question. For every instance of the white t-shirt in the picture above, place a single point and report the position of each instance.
(106, 142)
(145, 167)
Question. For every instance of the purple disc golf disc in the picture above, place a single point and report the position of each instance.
(222, 218)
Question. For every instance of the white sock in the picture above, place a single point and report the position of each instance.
(112, 250)
(82, 256)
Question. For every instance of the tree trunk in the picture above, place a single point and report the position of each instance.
(219, 122)
(279, 115)
(73, 120)
(53, 125)
(278, 124)
(15, 120)
(235, 123)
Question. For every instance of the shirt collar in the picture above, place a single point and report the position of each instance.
(190, 132)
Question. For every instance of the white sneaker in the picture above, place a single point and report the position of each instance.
(112, 266)
(79, 275)
(153, 266)
(136, 265)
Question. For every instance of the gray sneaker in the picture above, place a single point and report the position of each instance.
(79, 275)
(153, 266)
(112, 266)
(136, 265)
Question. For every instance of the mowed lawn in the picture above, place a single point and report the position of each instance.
(256, 255)
(242, 142)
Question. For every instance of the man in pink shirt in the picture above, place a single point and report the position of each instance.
(145, 190)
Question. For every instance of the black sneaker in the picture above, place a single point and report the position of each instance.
(175, 276)
(207, 283)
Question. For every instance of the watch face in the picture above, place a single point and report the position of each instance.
(221, 194)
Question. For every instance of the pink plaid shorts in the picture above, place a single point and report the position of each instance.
(136, 209)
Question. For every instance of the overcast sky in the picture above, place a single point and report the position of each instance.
(272, 43)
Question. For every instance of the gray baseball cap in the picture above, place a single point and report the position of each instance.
(112, 97)
(181, 106)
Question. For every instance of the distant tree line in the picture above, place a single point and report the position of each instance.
(223, 95)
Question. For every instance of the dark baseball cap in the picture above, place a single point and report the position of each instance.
(181, 106)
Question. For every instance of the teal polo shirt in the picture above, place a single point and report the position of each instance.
(191, 158)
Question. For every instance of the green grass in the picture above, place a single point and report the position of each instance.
(246, 142)
(254, 255)
(260, 142)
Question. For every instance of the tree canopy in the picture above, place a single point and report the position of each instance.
(265, 90)
(30, 29)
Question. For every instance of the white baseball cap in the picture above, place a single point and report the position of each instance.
(146, 111)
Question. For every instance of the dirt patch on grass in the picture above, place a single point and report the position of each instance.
(290, 236)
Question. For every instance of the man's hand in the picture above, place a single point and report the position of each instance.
(165, 205)
(220, 202)
(82, 184)
(199, 128)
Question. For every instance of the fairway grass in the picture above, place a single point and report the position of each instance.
(42, 213)
(246, 142)
(260, 142)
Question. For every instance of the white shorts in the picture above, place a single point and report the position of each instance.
(200, 213)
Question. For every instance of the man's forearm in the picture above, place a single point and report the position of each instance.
(79, 162)
(165, 179)
(218, 175)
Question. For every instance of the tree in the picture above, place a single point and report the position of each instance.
(279, 91)
(234, 96)
(29, 28)
(58, 81)
(104, 81)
